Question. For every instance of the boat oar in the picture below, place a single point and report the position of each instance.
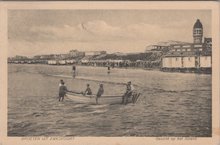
(135, 97)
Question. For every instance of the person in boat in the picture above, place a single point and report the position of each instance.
(128, 93)
(88, 90)
(99, 93)
(62, 90)
(74, 71)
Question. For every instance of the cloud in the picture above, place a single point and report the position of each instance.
(98, 30)
(99, 27)
(53, 32)
(88, 31)
(96, 35)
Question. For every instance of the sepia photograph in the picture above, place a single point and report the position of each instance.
(123, 73)
(109, 73)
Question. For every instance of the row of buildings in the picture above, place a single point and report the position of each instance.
(190, 57)
(71, 55)
(168, 56)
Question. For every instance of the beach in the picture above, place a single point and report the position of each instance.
(171, 104)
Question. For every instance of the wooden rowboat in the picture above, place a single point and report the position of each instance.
(105, 99)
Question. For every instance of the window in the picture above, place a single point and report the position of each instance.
(198, 45)
(176, 58)
(194, 31)
(188, 58)
(186, 46)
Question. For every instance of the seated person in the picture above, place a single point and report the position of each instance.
(128, 93)
(88, 91)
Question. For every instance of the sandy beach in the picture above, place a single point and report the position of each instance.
(171, 104)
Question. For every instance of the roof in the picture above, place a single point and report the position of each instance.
(198, 24)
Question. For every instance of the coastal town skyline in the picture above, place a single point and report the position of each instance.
(37, 32)
(85, 69)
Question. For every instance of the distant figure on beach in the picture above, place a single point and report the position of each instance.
(62, 90)
(128, 93)
(88, 91)
(109, 69)
(99, 93)
(74, 71)
(113, 65)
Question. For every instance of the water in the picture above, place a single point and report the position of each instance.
(171, 104)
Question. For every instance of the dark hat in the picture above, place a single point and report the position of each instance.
(129, 82)
(62, 82)
(87, 84)
(101, 85)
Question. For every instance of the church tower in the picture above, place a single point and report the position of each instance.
(197, 32)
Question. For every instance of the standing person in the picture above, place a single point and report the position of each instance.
(109, 69)
(99, 93)
(128, 93)
(74, 71)
(88, 91)
(113, 65)
(62, 90)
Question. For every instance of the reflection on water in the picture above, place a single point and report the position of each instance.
(171, 104)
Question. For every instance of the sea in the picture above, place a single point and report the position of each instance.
(170, 104)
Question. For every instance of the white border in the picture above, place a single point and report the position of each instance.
(183, 5)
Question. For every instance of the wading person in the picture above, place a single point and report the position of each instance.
(62, 90)
(88, 91)
(109, 69)
(74, 71)
(128, 93)
(99, 93)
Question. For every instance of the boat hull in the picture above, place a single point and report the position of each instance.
(91, 99)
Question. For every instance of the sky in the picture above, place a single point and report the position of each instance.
(37, 32)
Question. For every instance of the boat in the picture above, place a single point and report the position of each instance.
(105, 99)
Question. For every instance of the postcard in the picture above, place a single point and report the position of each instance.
(113, 73)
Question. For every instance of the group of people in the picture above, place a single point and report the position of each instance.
(128, 93)
(63, 90)
(100, 92)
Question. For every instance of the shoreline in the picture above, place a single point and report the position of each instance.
(128, 68)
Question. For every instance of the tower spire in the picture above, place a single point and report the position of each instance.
(197, 32)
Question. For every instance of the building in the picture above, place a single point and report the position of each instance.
(157, 48)
(76, 53)
(92, 53)
(190, 57)
(197, 32)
